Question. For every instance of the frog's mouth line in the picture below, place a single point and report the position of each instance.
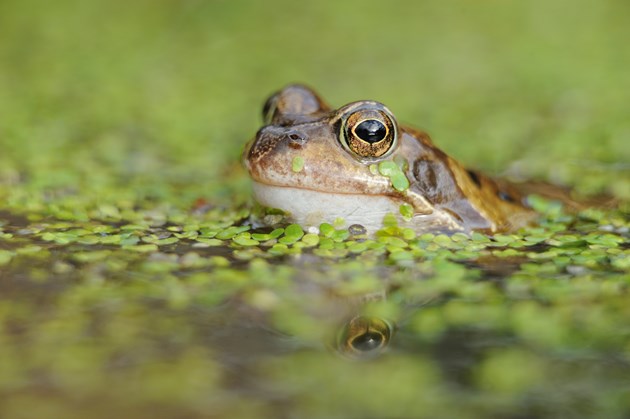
(294, 189)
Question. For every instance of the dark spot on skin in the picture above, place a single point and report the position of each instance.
(504, 196)
(436, 182)
(473, 176)
(424, 173)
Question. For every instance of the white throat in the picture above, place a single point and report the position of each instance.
(310, 208)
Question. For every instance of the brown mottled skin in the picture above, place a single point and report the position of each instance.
(300, 124)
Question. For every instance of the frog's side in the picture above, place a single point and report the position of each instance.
(319, 164)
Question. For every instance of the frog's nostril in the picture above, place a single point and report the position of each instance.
(296, 140)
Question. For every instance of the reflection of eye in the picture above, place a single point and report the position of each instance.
(364, 337)
(369, 132)
(367, 341)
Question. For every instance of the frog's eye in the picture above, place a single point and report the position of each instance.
(369, 132)
(364, 336)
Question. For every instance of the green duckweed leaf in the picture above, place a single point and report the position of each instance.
(297, 164)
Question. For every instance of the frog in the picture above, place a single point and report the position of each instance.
(356, 163)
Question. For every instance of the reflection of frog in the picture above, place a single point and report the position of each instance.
(357, 163)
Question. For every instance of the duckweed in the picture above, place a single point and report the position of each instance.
(230, 232)
(292, 233)
(5, 256)
(326, 229)
(208, 242)
(310, 239)
(395, 174)
(245, 240)
(297, 164)
(406, 211)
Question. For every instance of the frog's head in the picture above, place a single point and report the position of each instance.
(309, 159)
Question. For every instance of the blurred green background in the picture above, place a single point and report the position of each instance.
(170, 90)
(117, 300)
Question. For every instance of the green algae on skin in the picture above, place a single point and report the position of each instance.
(297, 164)
(406, 211)
(395, 174)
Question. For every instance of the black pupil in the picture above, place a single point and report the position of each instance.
(371, 131)
(367, 341)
